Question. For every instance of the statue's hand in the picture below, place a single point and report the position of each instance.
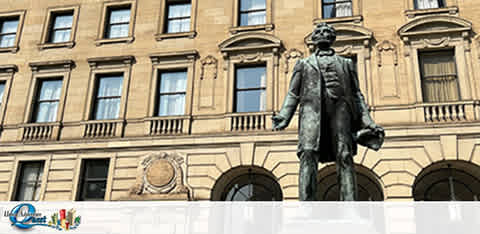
(376, 129)
(279, 123)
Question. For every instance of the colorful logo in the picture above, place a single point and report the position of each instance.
(25, 216)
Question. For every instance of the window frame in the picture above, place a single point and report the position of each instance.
(440, 2)
(104, 21)
(162, 21)
(236, 90)
(355, 18)
(240, 13)
(21, 17)
(81, 179)
(422, 75)
(237, 27)
(12, 189)
(36, 102)
(45, 42)
(159, 94)
(7, 73)
(37, 182)
(335, 3)
(96, 98)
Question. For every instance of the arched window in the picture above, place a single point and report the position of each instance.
(448, 181)
(247, 184)
(368, 187)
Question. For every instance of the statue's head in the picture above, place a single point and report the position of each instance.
(323, 35)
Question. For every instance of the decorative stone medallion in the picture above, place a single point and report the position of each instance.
(160, 173)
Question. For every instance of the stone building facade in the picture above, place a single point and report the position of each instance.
(85, 114)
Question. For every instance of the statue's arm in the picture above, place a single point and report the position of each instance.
(291, 100)
(365, 118)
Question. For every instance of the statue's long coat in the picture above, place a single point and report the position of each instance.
(306, 90)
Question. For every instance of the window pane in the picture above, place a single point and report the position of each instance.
(29, 182)
(173, 82)
(178, 25)
(50, 90)
(427, 4)
(61, 36)
(328, 11)
(7, 40)
(2, 90)
(110, 86)
(107, 108)
(171, 105)
(247, 5)
(250, 77)
(46, 112)
(328, 1)
(179, 10)
(252, 18)
(343, 9)
(439, 78)
(97, 169)
(9, 26)
(116, 31)
(119, 16)
(63, 21)
(94, 190)
(250, 101)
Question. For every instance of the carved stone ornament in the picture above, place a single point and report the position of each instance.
(160, 173)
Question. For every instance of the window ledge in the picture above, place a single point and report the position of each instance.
(433, 11)
(346, 19)
(100, 42)
(162, 36)
(265, 27)
(68, 44)
(12, 49)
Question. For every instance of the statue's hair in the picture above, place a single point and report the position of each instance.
(325, 25)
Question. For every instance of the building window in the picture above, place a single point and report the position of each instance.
(93, 182)
(8, 32)
(47, 100)
(252, 12)
(108, 95)
(178, 16)
(2, 91)
(336, 8)
(171, 93)
(250, 89)
(439, 76)
(29, 181)
(429, 4)
(61, 27)
(118, 23)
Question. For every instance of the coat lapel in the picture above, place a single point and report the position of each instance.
(313, 61)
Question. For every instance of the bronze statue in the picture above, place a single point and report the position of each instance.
(333, 116)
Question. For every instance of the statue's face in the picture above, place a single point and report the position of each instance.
(323, 37)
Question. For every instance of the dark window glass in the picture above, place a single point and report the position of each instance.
(107, 99)
(47, 99)
(178, 16)
(336, 8)
(252, 187)
(429, 4)
(439, 76)
(94, 179)
(252, 12)
(171, 93)
(250, 88)
(2, 91)
(8, 32)
(118, 22)
(29, 181)
(61, 27)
